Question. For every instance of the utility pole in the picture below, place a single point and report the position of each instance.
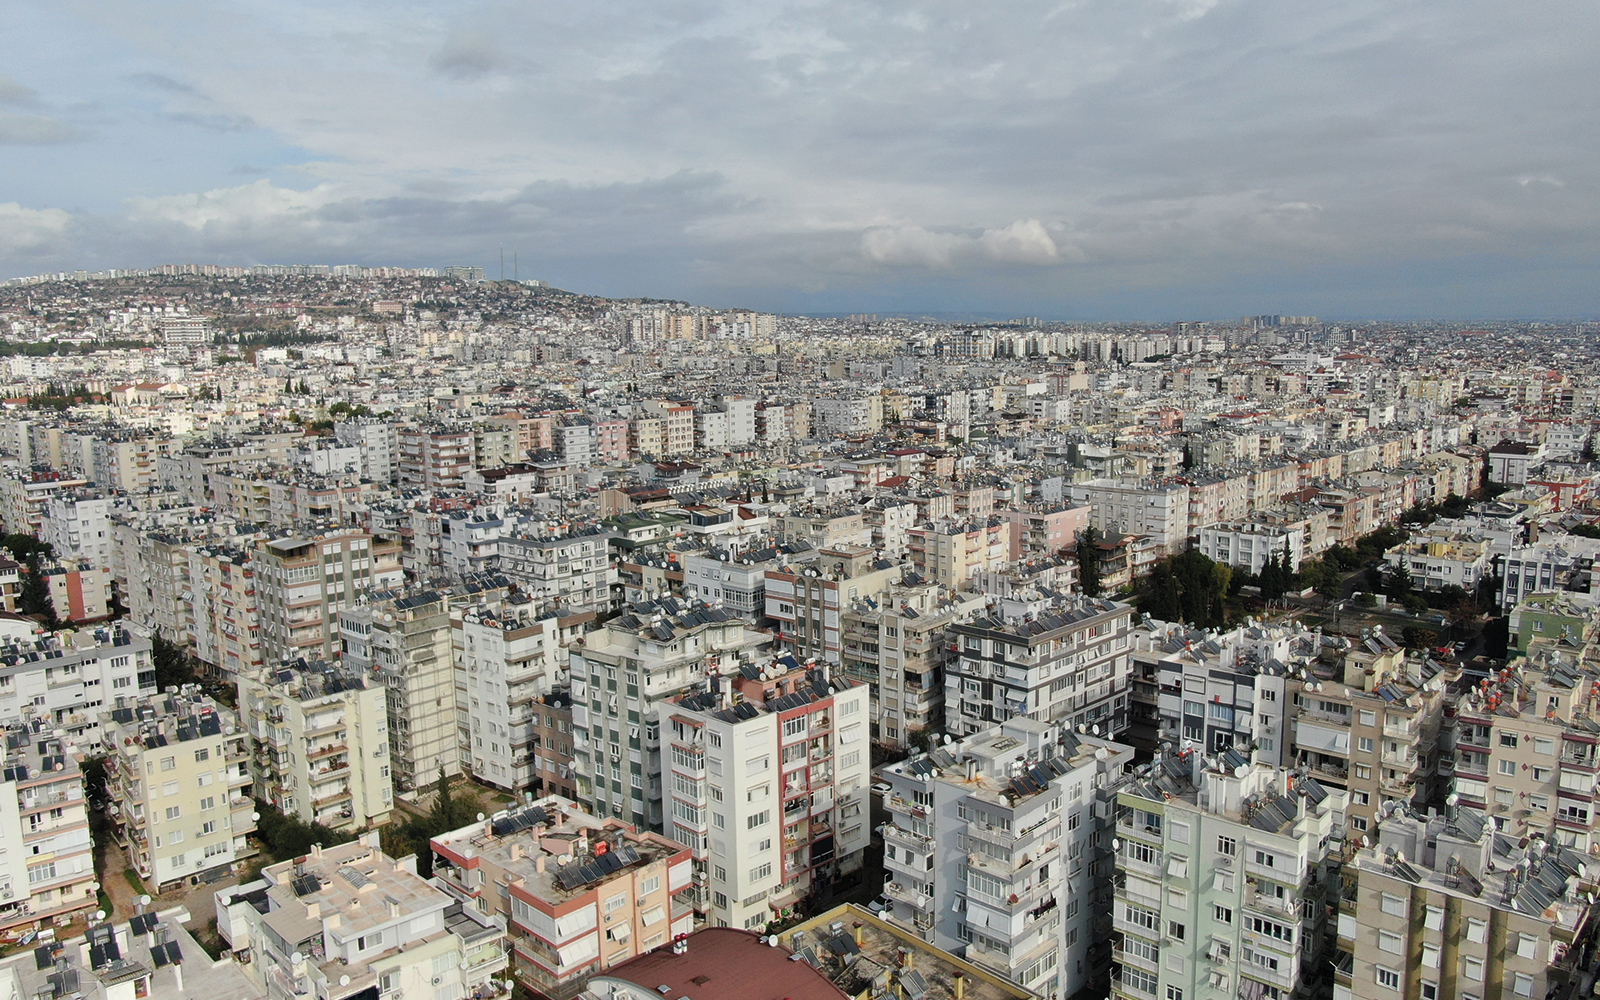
(502, 262)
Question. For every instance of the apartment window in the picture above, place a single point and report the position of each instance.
(758, 819)
(1178, 832)
(1393, 905)
(1227, 846)
(202, 754)
(173, 812)
(41, 873)
(1539, 802)
(1364, 744)
(1527, 946)
(794, 726)
(1433, 918)
(761, 871)
(208, 827)
(1472, 968)
(1389, 941)
(1428, 991)
(1477, 930)
(169, 788)
(1224, 915)
(1544, 746)
(1430, 956)
(1173, 993)
(1368, 717)
(1508, 739)
(168, 763)
(208, 803)
(1389, 979)
(1508, 767)
(1266, 860)
(1175, 930)
(616, 902)
(1363, 771)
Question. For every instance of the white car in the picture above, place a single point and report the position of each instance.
(882, 788)
(882, 904)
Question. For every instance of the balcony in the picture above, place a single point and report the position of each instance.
(327, 751)
(899, 835)
(911, 897)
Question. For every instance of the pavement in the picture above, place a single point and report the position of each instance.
(200, 901)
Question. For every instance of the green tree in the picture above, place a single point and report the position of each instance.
(34, 595)
(1089, 561)
(173, 667)
(1399, 582)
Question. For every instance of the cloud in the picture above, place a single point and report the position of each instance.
(26, 231)
(1025, 241)
(223, 208)
(35, 130)
(14, 93)
(466, 57)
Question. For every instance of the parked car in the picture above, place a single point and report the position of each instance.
(882, 904)
(881, 788)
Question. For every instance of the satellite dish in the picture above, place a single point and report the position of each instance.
(224, 899)
(297, 958)
(255, 816)
(480, 817)
(1452, 799)
(1366, 841)
(1239, 772)
(1116, 844)
(1097, 729)
(99, 914)
(345, 980)
(144, 900)
(94, 886)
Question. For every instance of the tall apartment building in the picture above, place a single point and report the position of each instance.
(573, 568)
(23, 497)
(303, 581)
(1067, 660)
(1222, 870)
(1368, 719)
(46, 857)
(552, 744)
(178, 779)
(992, 851)
(434, 458)
(319, 739)
(853, 416)
(65, 680)
(769, 786)
(582, 894)
(955, 553)
(77, 527)
(741, 419)
(405, 642)
(1444, 906)
(894, 643)
(379, 443)
(351, 923)
(1138, 507)
(507, 656)
(224, 619)
(621, 676)
(677, 424)
(806, 602)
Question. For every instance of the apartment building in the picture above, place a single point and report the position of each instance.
(582, 895)
(956, 553)
(1045, 529)
(677, 425)
(1222, 870)
(1444, 906)
(434, 458)
(622, 674)
(853, 416)
(79, 592)
(65, 680)
(178, 779)
(552, 744)
(46, 857)
(805, 602)
(379, 444)
(1248, 545)
(405, 643)
(1159, 509)
(572, 568)
(77, 526)
(1368, 719)
(351, 923)
(992, 851)
(224, 619)
(319, 738)
(894, 643)
(769, 776)
(24, 496)
(302, 582)
(1439, 559)
(1062, 660)
(507, 656)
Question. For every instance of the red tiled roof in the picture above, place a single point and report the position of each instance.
(723, 963)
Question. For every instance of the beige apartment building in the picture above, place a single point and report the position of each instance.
(1442, 907)
(302, 581)
(46, 857)
(178, 779)
(1367, 719)
(806, 602)
(579, 895)
(320, 743)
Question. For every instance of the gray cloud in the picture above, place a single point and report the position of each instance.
(15, 94)
(36, 130)
(1178, 154)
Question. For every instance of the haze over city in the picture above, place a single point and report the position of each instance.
(1144, 160)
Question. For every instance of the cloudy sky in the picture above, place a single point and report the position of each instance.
(1148, 159)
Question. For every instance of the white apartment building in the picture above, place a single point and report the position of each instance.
(507, 656)
(852, 416)
(741, 415)
(78, 529)
(767, 778)
(379, 442)
(1249, 546)
(46, 857)
(1138, 507)
(991, 850)
(622, 674)
(735, 582)
(710, 430)
(319, 739)
(67, 679)
(573, 569)
(1222, 871)
(351, 923)
(178, 779)
(1067, 660)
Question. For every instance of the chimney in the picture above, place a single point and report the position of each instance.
(960, 984)
(860, 934)
(515, 849)
(538, 864)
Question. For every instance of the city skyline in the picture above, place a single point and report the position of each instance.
(1186, 159)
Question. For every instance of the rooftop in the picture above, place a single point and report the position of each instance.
(721, 963)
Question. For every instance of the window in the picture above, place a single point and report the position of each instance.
(1544, 746)
(1368, 717)
(1477, 930)
(1389, 979)
(761, 871)
(168, 763)
(1433, 918)
(1224, 915)
(1472, 968)
(758, 819)
(41, 873)
(1508, 767)
(1393, 905)
(1175, 930)
(1527, 946)
(173, 812)
(1429, 991)
(1430, 956)
(208, 803)
(616, 902)
(202, 754)
(1173, 993)
(1389, 941)
(1265, 860)
(1522, 986)
(1364, 744)
(649, 885)
(1227, 846)
(1508, 739)
(1178, 832)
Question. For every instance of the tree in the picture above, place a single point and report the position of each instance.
(1089, 561)
(1399, 582)
(1416, 637)
(34, 596)
(171, 661)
